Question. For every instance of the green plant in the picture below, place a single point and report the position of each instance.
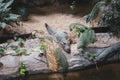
(42, 47)
(22, 69)
(21, 42)
(87, 35)
(91, 56)
(14, 47)
(72, 6)
(20, 51)
(1, 51)
(95, 9)
(6, 17)
(78, 27)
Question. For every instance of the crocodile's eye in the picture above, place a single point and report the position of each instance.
(64, 43)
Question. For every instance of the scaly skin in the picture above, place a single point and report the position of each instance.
(62, 60)
(61, 37)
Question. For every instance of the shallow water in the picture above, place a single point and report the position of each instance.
(107, 72)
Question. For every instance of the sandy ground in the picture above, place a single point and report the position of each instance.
(56, 16)
(59, 17)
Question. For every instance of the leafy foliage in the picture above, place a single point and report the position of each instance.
(91, 56)
(78, 27)
(72, 6)
(22, 69)
(20, 51)
(21, 42)
(14, 47)
(87, 35)
(81, 27)
(111, 17)
(95, 9)
(6, 17)
(1, 51)
(42, 47)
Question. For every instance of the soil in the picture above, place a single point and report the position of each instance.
(57, 16)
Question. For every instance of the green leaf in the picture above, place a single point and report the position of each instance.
(14, 47)
(20, 51)
(20, 40)
(22, 69)
(81, 27)
(5, 16)
(12, 17)
(7, 4)
(87, 36)
(72, 7)
(77, 31)
(42, 47)
(1, 50)
(5, 10)
(22, 65)
(22, 72)
(2, 5)
(91, 56)
(3, 25)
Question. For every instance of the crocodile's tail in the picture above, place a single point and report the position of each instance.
(62, 60)
(50, 30)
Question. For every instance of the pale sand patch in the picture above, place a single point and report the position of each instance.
(58, 17)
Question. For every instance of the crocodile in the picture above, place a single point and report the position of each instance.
(60, 37)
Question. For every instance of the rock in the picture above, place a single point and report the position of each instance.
(10, 61)
(10, 64)
(32, 43)
(104, 40)
(35, 64)
(111, 16)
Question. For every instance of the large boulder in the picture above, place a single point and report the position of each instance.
(111, 16)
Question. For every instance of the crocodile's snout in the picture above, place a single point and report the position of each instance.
(61, 37)
(66, 46)
(67, 50)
